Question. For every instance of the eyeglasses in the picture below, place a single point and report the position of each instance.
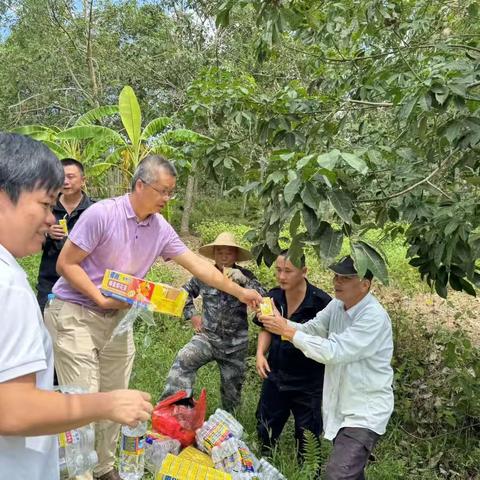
(170, 194)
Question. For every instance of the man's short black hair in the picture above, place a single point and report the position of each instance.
(66, 162)
(27, 165)
(284, 253)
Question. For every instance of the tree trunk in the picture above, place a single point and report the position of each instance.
(187, 206)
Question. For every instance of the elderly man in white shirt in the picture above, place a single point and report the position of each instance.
(352, 336)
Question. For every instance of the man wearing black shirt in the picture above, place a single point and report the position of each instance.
(292, 382)
(71, 203)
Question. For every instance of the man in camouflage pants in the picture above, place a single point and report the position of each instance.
(221, 330)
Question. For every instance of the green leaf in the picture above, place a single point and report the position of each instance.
(58, 150)
(97, 114)
(130, 115)
(291, 189)
(468, 287)
(407, 107)
(310, 196)
(355, 162)
(155, 127)
(99, 169)
(330, 241)
(183, 135)
(223, 16)
(304, 161)
(366, 257)
(342, 204)
(360, 260)
(275, 177)
(91, 131)
(328, 160)
(295, 251)
(294, 224)
(38, 132)
(473, 180)
(310, 220)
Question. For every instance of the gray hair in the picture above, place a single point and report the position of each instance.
(27, 165)
(147, 169)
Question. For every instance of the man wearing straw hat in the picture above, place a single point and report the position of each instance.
(221, 328)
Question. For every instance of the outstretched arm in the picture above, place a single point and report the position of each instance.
(207, 273)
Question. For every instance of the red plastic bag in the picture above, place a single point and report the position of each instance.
(180, 421)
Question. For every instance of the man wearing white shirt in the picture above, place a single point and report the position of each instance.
(352, 336)
(30, 413)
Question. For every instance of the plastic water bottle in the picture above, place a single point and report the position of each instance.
(268, 471)
(132, 452)
(72, 466)
(76, 452)
(156, 449)
(50, 299)
(229, 420)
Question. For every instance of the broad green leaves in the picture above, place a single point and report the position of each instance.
(367, 258)
(131, 117)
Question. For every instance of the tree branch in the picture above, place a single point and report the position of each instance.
(411, 187)
(372, 104)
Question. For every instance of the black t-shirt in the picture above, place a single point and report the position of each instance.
(290, 368)
(47, 273)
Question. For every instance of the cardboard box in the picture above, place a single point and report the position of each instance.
(155, 296)
(177, 468)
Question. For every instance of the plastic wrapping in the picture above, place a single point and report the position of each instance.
(220, 427)
(177, 420)
(126, 323)
(76, 447)
(157, 447)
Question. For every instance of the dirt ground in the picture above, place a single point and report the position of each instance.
(459, 310)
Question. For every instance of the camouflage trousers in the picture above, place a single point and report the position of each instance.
(198, 352)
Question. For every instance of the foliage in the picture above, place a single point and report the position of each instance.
(89, 142)
(381, 124)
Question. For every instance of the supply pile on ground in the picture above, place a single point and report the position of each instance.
(221, 454)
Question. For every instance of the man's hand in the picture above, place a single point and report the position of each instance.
(109, 303)
(55, 232)
(262, 366)
(129, 407)
(250, 297)
(278, 325)
(237, 276)
(197, 323)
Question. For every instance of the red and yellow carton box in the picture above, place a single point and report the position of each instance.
(157, 297)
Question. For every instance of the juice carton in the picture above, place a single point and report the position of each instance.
(155, 296)
(63, 223)
(266, 307)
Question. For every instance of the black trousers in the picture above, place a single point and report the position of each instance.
(351, 449)
(274, 408)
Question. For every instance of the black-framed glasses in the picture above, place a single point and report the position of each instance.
(170, 194)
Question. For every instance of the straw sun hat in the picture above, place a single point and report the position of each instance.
(225, 239)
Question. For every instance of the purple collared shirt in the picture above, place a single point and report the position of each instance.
(109, 232)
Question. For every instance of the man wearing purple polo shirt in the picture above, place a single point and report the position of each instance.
(127, 234)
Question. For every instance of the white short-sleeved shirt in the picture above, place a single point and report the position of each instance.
(25, 348)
